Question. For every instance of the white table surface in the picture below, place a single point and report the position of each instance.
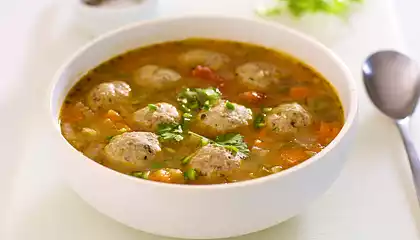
(407, 12)
(372, 199)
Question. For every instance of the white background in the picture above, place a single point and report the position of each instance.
(409, 17)
(372, 199)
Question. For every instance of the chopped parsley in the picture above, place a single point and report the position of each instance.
(186, 160)
(187, 115)
(152, 107)
(195, 99)
(186, 119)
(233, 142)
(190, 174)
(204, 141)
(233, 149)
(259, 120)
(143, 175)
(230, 105)
(170, 132)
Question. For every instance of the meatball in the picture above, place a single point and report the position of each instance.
(288, 118)
(212, 159)
(213, 60)
(110, 95)
(153, 76)
(258, 75)
(224, 117)
(149, 117)
(135, 148)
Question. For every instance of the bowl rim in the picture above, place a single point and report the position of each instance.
(348, 123)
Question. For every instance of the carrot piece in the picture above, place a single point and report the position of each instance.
(324, 128)
(294, 156)
(299, 92)
(167, 176)
(328, 131)
(161, 175)
(114, 116)
(253, 97)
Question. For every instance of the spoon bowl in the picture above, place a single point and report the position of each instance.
(392, 81)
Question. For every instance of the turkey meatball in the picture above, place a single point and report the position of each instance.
(149, 117)
(213, 60)
(288, 118)
(212, 159)
(110, 95)
(224, 117)
(153, 76)
(135, 148)
(258, 75)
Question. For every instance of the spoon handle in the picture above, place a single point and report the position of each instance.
(404, 126)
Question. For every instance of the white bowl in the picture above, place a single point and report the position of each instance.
(212, 211)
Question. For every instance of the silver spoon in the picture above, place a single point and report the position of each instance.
(392, 81)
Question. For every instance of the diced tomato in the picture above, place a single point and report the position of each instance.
(207, 74)
(253, 97)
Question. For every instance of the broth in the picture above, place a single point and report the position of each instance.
(242, 111)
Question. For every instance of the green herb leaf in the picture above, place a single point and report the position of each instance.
(109, 138)
(143, 175)
(232, 149)
(301, 7)
(195, 99)
(204, 141)
(186, 160)
(190, 174)
(152, 107)
(146, 175)
(233, 142)
(230, 105)
(259, 121)
(186, 120)
(170, 132)
(187, 115)
(137, 174)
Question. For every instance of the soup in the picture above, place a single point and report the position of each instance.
(201, 111)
